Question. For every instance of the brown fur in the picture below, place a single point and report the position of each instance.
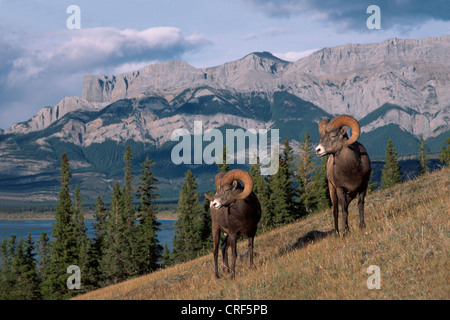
(234, 218)
(348, 167)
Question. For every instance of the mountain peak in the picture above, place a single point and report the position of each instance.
(266, 55)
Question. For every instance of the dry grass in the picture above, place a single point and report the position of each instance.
(407, 236)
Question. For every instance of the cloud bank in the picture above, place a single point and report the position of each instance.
(96, 49)
(349, 15)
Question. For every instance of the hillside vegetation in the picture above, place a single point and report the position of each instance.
(407, 237)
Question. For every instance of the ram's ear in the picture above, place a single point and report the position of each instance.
(235, 184)
(343, 130)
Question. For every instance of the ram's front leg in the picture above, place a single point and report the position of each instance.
(216, 240)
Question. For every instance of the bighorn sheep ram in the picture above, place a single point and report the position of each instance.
(235, 211)
(348, 167)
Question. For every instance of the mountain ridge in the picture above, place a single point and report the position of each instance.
(403, 94)
(352, 78)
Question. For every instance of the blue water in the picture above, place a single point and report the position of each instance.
(21, 228)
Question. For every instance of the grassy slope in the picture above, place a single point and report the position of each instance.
(407, 236)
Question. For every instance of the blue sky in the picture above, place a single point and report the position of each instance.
(41, 61)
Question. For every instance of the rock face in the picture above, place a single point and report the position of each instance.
(46, 116)
(356, 79)
(255, 72)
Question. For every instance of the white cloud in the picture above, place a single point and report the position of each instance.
(294, 55)
(41, 71)
(97, 49)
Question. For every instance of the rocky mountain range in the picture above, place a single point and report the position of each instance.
(397, 89)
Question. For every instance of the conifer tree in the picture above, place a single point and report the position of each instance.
(390, 174)
(166, 258)
(320, 199)
(282, 197)
(3, 268)
(149, 247)
(261, 189)
(187, 240)
(444, 157)
(128, 220)
(121, 238)
(423, 159)
(112, 262)
(65, 249)
(44, 249)
(305, 170)
(26, 286)
(83, 244)
(205, 225)
(98, 246)
(8, 249)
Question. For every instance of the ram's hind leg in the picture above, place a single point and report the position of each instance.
(335, 203)
(233, 245)
(361, 197)
(224, 248)
(250, 250)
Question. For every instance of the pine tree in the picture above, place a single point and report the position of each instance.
(320, 199)
(44, 249)
(166, 258)
(261, 189)
(122, 239)
(8, 250)
(3, 268)
(112, 262)
(282, 197)
(149, 247)
(423, 159)
(390, 174)
(305, 170)
(83, 244)
(26, 286)
(98, 246)
(187, 240)
(444, 157)
(205, 225)
(65, 249)
(128, 220)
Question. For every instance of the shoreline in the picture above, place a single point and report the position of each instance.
(47, 217)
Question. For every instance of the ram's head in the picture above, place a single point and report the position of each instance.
(334, 134)
(228, 188)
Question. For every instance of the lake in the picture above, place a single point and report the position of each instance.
(21, 228)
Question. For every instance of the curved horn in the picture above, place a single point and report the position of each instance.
(207, 196)
(238, 174)
(322, 126)
(346, 120)
(219, 177)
